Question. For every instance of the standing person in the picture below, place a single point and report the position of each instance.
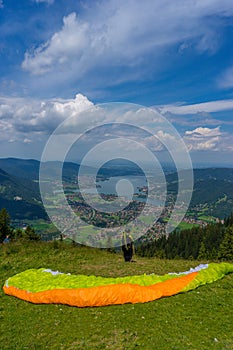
(127, 246)
(7, 239)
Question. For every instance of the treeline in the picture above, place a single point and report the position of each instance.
(215, 241)
(8, 233)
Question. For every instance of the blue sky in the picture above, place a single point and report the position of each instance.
(176, 56)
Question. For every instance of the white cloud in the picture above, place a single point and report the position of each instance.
(26, 140)
(226, 79)
(50, 2)
(121, 33)
(69, 42)
(154, 143)
(207, 139)
(206, 145)
(204, 132)
(208, 107)
(27, 124)
(21, 118)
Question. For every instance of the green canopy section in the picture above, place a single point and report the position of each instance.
(38, 280)
(211, 274)
(34, 280)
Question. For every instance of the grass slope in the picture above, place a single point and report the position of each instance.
(200, 319)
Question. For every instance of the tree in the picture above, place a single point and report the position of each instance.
(30, 234)
(202, 252)
(226, 247)
(18, 234)
(229, 220)
(5, 221)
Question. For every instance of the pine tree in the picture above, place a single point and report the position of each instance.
(202, 252)
(229, 220)
(30, 234)
(226, 247)
(5, 221)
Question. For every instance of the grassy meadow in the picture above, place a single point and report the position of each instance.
(200, 319)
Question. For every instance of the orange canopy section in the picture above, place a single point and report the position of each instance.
(104, 295)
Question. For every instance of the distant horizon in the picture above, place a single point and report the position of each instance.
(166, 165)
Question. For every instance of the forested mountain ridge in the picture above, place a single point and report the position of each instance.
(12, 186)
(23, 168)
(214, 241)
(30, 168)
(212, 192)
(20, 197)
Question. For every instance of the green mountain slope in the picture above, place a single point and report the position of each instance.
(213, 188)
(25, 168)
(29, 168)
(20, 197)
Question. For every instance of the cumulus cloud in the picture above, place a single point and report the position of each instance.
(21, 118)
(70, 42)
(29, 123)
(204, 132)
(119, 33)
(207, 139)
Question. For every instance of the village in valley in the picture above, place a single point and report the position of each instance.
(147, 221)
